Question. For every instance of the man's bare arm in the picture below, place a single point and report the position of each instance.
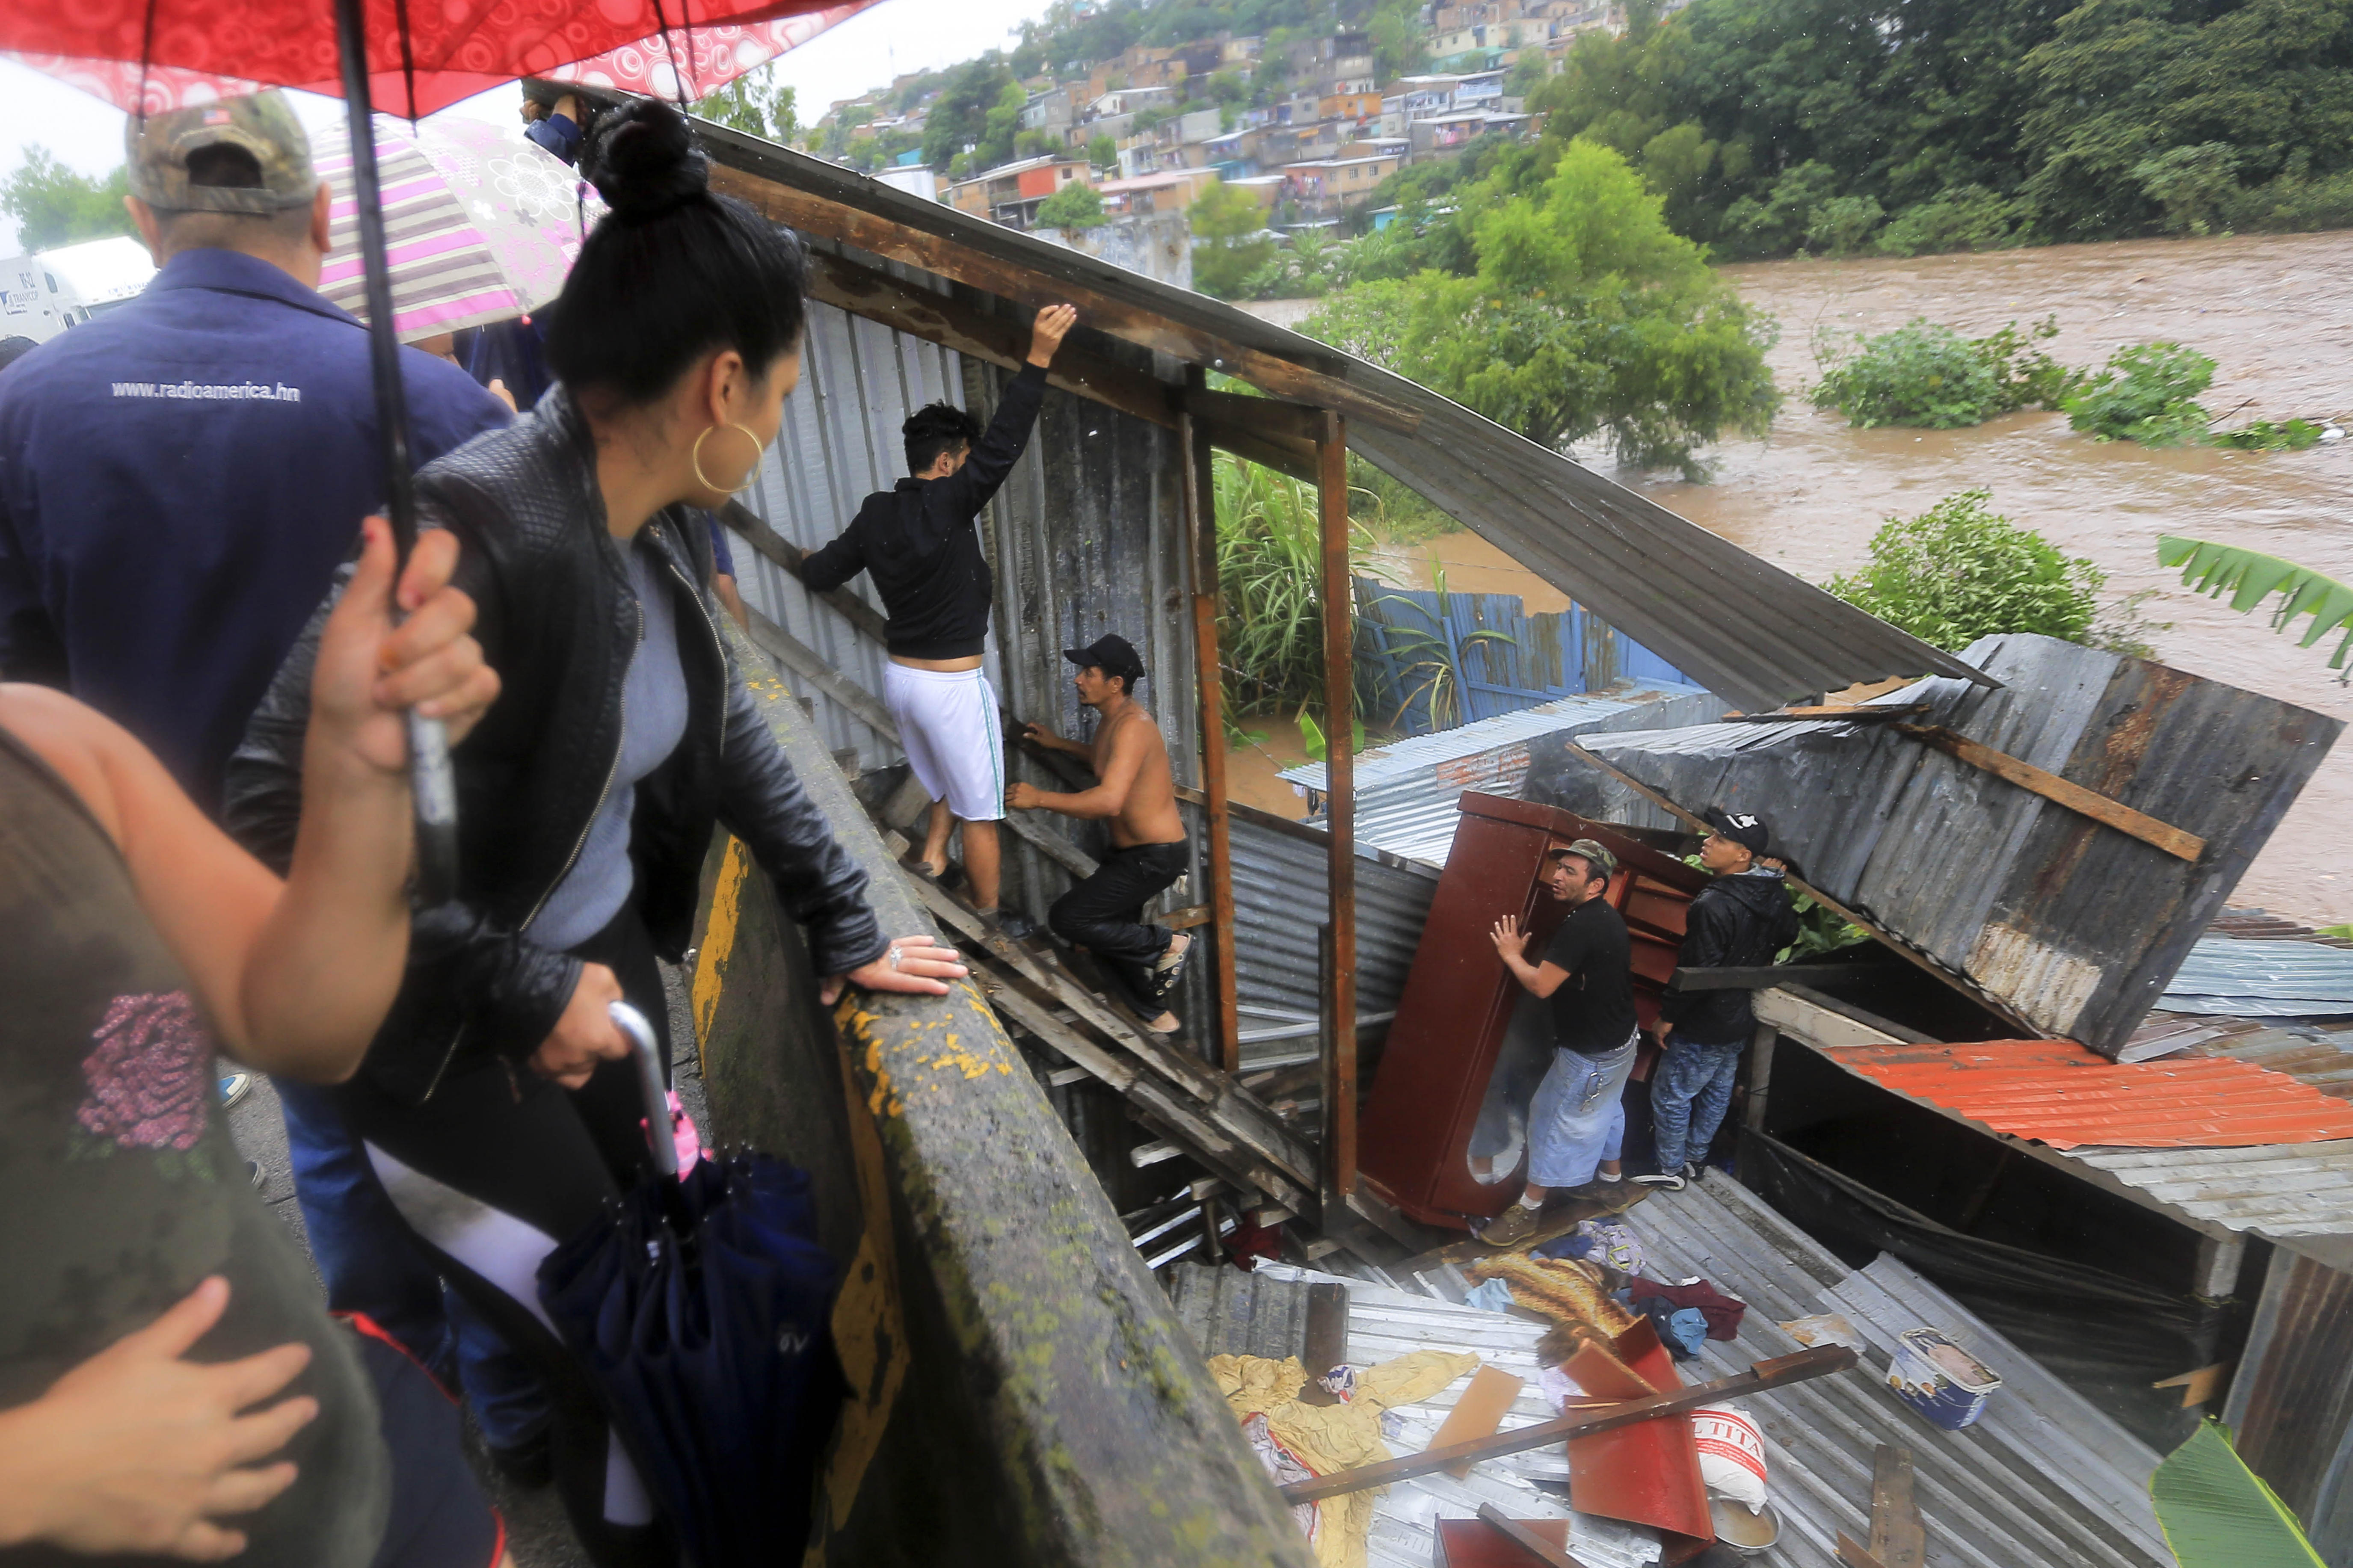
(1037, 734)
(1108, 798)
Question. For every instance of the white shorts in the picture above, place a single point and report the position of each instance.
(948, 727)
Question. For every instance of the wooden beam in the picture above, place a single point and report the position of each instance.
(1266, 451)
(949, 321)
(1267, 416)
(1033, 289)
(1590, 1421)
(1339, 1007)
(1897, 1540)
(1894, 943)
(1759, 977)
(1200, 487)
(793, 560)
(2103, 809)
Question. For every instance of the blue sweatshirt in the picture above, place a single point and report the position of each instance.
(179, 479)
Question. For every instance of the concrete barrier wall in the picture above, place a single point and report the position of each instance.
(1020, 1392)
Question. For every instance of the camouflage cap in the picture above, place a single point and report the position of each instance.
(1591, 850)
(158, 147)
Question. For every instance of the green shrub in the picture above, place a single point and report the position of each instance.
(1269, 576)
(1930, 377)
(1958, 571)
(1076, 206)
(1969, 218)
(1843, 225)
(2148, 394)
(2264, 435)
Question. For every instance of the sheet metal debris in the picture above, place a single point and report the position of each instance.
(2274, 979)
(2072, 926)
(2058, 1093)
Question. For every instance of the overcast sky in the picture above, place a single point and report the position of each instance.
(864, 52)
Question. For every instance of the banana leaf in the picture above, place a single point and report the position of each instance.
(2217, 1513)
(2250, 578)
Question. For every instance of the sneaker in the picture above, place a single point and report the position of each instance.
(1515, 1227)
(233, 1086)
(1694, 1170)
(1666, 1181)
(1010, 924)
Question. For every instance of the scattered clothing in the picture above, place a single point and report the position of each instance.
(1691, 1088)
(1328, 1437)
(1579, 1118)
(949, 728)
(1593, 1011)
(1736, 923)
(1608, 1241)
(1681, 1329)
(918, 543)
(1489, 1296)
(1723, 1312)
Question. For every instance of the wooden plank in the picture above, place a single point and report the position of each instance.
(868, 620)
(1537, 1548)
(1759, 978)
(2103, 809)
(1033, 289)
(1586, 1422)
(949, 321)
(1477, 1413)
(1815, 1025)
(1339, 999)
(1854, 1553)
(1897, 1537)
(1201, 521)
(1267, 416)
(1894, 943)
(1326, 1344)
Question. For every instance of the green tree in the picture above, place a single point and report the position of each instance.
(1399, 46)
(1000, 127)
(1076, 206)
(1586, 314)
(1959, 572)
(959, 118)
(1102, 152)
(754, 104)
(1229, 246)
(54, 204)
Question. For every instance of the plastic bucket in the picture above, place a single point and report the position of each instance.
(1939, 1379)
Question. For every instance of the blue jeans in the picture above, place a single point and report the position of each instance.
(1691, 1088)
(1578, 1116)
(370, 1264)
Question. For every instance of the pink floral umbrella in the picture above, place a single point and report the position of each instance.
(480, 225)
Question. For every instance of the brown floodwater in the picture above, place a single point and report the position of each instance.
(2275, 312)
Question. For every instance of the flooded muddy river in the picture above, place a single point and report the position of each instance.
(2275, 313)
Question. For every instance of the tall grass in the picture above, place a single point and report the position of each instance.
(1269, 569)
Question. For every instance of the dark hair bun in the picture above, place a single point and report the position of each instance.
(645, 162)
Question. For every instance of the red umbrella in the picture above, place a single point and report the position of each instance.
(415, 59)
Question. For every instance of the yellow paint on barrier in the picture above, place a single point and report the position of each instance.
(717, 942)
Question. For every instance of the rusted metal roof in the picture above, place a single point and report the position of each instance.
(1742, 627)
(2058, 1093)
(2071, 926)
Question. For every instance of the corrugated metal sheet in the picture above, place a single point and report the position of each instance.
(1406, 790)
(2263, 979)
(2057, 1093)
(2290, 1405)
(2306, 1052)
(2293, 1193)
(2073, 926)
(1280, 899)
(1764, 636)
(2045, 1478)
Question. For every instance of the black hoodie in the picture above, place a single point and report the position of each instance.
(1736, 921)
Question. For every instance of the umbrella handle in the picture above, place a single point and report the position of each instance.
(434, 785)
(632, 1022)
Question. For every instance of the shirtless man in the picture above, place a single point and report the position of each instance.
(1105, 914)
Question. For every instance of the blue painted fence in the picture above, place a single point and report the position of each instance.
(1429, 660)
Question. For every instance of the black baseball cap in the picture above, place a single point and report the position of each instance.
(1112, 653)
(1743, 827)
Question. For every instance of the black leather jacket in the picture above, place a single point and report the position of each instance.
(558, 621)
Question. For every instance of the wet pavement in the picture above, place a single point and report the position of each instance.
(537, 1533)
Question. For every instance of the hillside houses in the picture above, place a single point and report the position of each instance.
(1313, 126)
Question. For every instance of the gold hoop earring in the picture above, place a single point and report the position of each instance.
(695, 457)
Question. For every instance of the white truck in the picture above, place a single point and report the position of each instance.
(48, 292)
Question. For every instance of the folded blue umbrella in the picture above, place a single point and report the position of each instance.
(702, 1306)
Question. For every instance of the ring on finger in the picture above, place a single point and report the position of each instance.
(893, 956)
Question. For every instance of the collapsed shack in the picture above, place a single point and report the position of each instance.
(1016, 1377)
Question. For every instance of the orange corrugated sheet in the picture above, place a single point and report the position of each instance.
(2060, 1093)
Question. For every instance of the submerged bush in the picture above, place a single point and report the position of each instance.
(2148, 394)
(1929, 376)
(1959, 572)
